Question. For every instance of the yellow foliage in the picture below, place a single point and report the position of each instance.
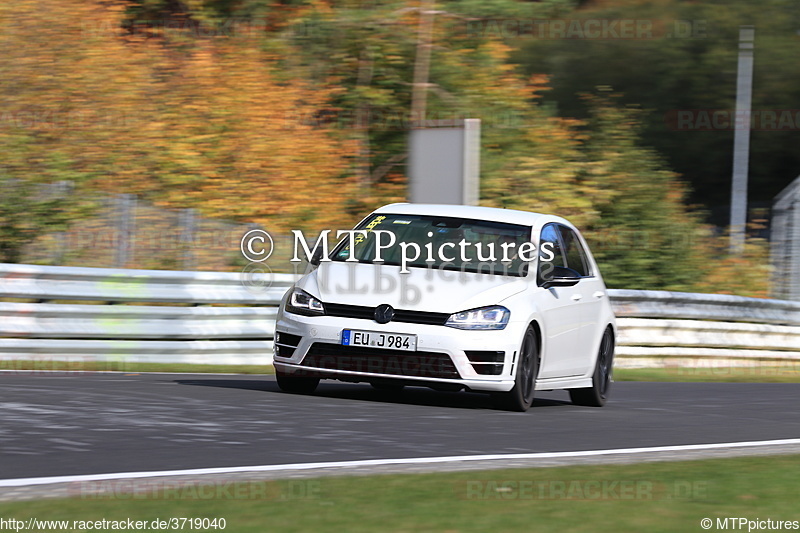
(203, 124)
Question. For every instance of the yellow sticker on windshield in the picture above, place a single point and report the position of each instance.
(369, 227)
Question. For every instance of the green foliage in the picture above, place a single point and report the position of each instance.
(242, 122)
(27, 210)
(631, 209)
(689, 63)
(370, 53)
(644, 236)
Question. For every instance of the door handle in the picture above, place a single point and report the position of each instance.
(599, 294)
(577, 297)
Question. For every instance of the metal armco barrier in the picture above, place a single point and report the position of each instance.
(722, 307)
(168, 317)
(660, 328)
(184, 328)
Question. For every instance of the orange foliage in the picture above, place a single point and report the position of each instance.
(244, 146)
(201, 123)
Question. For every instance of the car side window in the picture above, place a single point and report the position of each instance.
(550, 252)
(574, 252)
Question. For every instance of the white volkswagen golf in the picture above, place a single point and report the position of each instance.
(452, 297)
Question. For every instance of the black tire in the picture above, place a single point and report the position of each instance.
(597, 394)
(296, 384)
(520, 398)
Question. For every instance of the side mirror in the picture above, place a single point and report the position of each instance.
(561, 277)
(316, 257)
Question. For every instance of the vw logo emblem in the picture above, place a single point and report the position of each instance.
(384, 314)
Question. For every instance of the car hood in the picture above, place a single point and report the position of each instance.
(421, 289)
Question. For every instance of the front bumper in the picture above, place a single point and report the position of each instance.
(312, 345)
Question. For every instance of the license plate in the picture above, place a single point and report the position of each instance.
(377, 339)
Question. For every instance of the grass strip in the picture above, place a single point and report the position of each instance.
(751, 374)
(652, 497)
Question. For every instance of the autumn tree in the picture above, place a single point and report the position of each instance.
(70, 94)
(180, 117)
(235, 142)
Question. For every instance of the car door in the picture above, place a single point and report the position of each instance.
(589, 294)
(560, 311)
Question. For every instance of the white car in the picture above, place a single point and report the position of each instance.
(452, 297)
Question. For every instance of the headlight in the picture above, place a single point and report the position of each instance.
(302, 303)
(494, 317)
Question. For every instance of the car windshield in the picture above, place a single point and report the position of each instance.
(428, 241)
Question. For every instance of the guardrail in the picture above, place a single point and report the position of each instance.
(194, 332)
(180, 317)
(660, 328)
(723, 307)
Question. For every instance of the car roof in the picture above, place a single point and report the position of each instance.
(509, 216)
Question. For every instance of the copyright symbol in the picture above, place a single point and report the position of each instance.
(256, 277)
(257, 236)
(706, 523)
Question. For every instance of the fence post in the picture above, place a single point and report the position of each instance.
(188, 225)
(125, 225)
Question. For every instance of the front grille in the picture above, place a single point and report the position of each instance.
(349, 311)
(286, 344)
(376, 361)
(400, 315)
(486, 363)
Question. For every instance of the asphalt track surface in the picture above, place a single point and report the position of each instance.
(65, 424)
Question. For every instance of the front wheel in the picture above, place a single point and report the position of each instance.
(520, 397)
(597, 394)
(296, 384)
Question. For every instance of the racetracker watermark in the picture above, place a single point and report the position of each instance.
(385, 120)
(727, 120)
(322, 358)
(761, 370)
(151, 28)
(197, 489)
(62, 365)
(581, 489)
(587, 29)
(104, 524)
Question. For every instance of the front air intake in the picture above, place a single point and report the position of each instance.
(286, 344)
(486, 363)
